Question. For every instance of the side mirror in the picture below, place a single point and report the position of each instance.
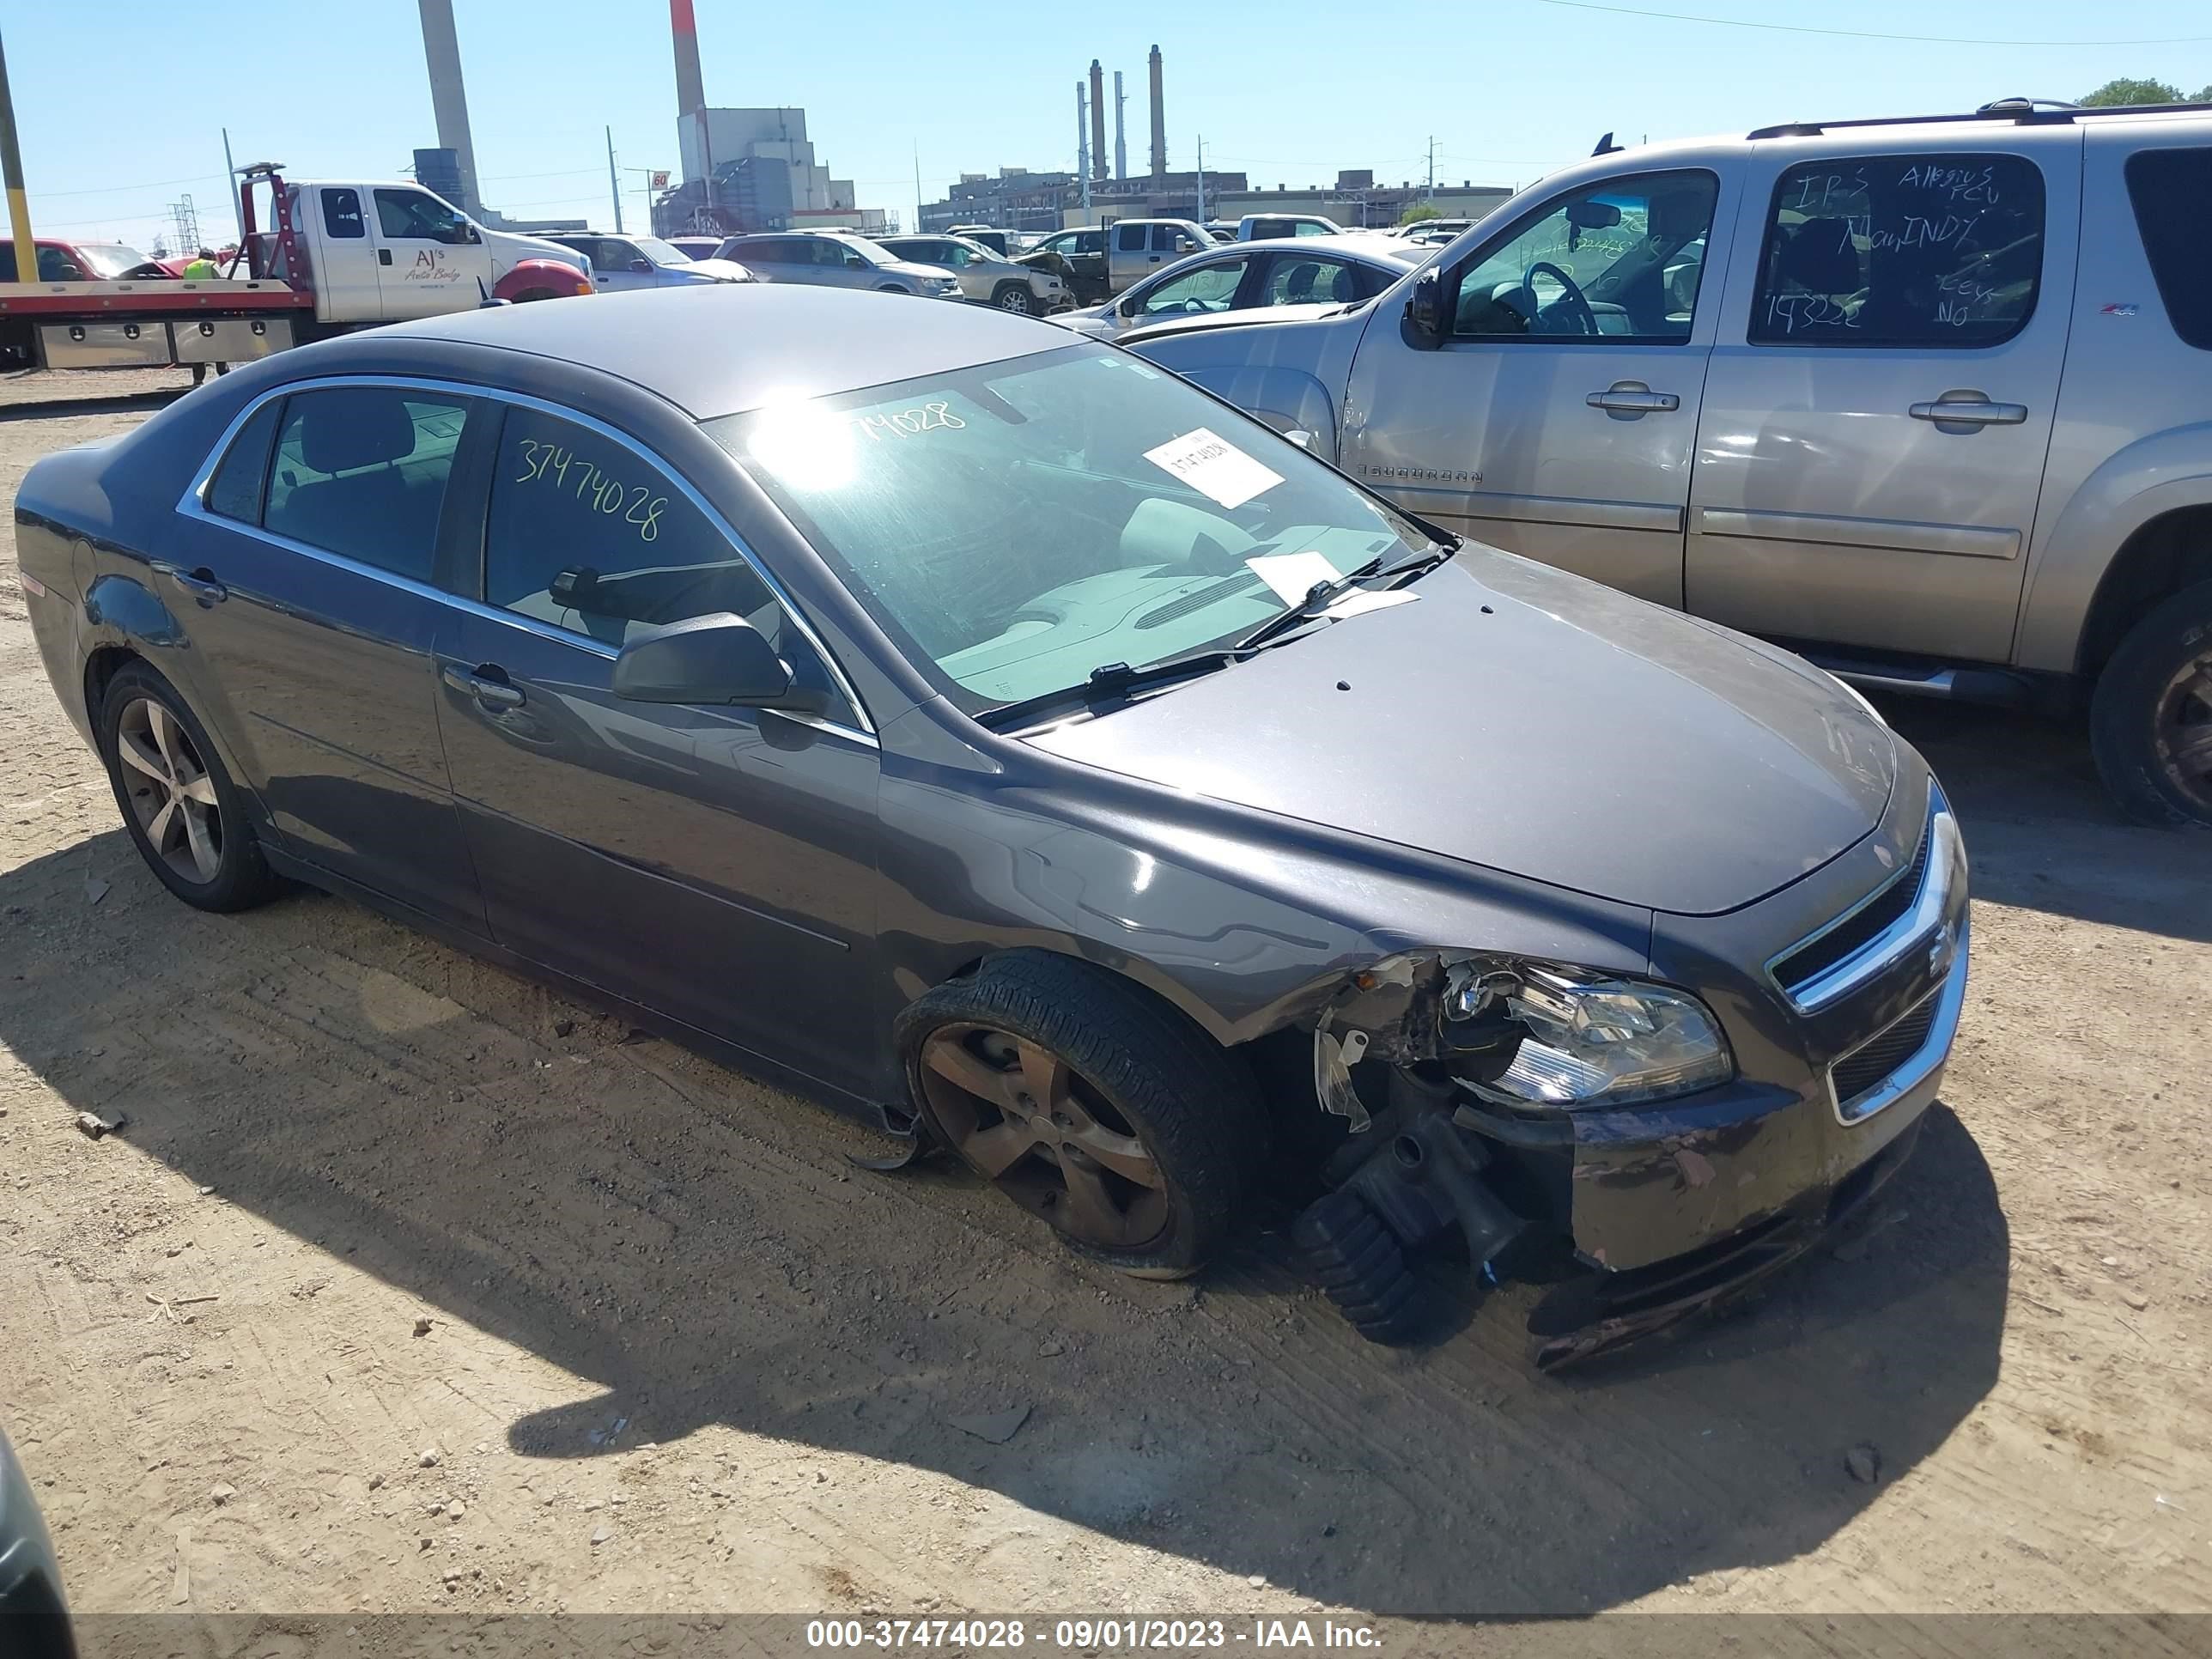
(643, 267)
(1424, 311)
(721, 658)
(471, 234)
(1132, 307)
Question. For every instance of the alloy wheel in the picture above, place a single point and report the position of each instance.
(170, 792)
(2184, 730)
(1024, 1118)
(1016, 300)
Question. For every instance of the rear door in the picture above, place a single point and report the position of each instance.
(715, 863)
(1557, 417)
(429, 258)
(1878, 408)
(307, 565)
(1305, 279)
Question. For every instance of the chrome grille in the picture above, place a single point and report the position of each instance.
(1817, 954)
(1865, 1067)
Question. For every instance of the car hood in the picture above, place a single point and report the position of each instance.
(1516, 717)
(1212, 320)
(719, 270)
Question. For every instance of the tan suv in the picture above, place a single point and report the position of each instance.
(1927, 399)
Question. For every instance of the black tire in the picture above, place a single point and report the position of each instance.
(1015, 297)
(1360, 1266)
(2144, 702)
(238, 877)
(1190, 1106)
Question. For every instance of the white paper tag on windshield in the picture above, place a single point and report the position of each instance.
(1292, 576)
(1215, 466)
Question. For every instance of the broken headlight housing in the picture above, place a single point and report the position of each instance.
(1587, 1039)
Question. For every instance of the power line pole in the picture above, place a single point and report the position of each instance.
(1202, 178)
(11, 178)
(614, 182)
(1083, 142)
(1432, 170)
(917, 186)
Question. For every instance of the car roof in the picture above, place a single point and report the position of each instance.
(714, 349)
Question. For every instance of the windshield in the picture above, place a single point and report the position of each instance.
(866, 250)
(1018, 525)
(109, 260)
(660, 253)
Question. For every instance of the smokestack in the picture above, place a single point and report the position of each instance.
(449, 100)
(1160, 125)
(1120, 141)
(690, 88)
(1097, 121)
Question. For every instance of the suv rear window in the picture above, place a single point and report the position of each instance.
(1922, 251)
(2172, 193)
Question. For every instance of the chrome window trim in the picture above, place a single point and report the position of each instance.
(1946, 849)
(193, 504)
(1950, 999)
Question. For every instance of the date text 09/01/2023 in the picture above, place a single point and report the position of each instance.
(1078, 1634)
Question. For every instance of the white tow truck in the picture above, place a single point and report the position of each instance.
(337, 255)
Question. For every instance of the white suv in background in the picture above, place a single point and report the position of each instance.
(986, 277)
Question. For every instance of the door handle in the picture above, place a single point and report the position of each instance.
(200, 584)
(384, 256)
(1969, 409)
(486, 682)
(1634, 397)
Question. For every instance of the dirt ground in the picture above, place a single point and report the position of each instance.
(408, 1286)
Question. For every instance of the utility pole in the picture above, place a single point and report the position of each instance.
(1202, 178)
(11, 177)
(917, 186)
(237, 212)
(614, 182)
(1431, 197)
(1120, 145)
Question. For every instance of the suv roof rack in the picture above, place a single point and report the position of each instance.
(2021, 111)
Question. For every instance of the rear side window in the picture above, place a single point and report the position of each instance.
(2172, 193)
(341, 214)
(1937, 251)
(362, 471)
(1130, 239)
(235, 489)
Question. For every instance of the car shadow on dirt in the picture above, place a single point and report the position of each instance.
(698, 1248)
(2041, 831)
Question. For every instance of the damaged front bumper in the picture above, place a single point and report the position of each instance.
(1840, 1004)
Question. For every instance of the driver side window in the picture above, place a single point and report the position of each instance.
(1210, 288)
(1619, 259)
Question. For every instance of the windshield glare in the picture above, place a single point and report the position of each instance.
(1017, 525)
(660, 253)
(109, 260)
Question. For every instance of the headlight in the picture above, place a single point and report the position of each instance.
(1590, 1041)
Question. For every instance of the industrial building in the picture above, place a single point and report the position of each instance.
(1098, 193)
(747, 169)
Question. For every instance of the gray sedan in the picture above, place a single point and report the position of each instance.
(833, 259)
(1340, 269)
(995, 736)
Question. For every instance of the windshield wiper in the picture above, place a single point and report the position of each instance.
(1111, 682)
(1318, 599)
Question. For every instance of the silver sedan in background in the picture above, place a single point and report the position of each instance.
(1246, 276)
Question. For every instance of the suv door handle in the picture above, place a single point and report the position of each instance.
(1634, 397)
(487, 683)
(200, 584)
(1969, 409)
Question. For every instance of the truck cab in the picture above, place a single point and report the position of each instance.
(1135, 248)
(1925, 398)
(383, 251)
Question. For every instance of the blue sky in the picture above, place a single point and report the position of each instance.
(120, 120)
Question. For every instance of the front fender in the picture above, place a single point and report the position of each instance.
(2143, 481)
(533, 276)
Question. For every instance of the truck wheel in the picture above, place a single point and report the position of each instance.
(2150, 720)
(1097, 1108)
(1015, 297)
